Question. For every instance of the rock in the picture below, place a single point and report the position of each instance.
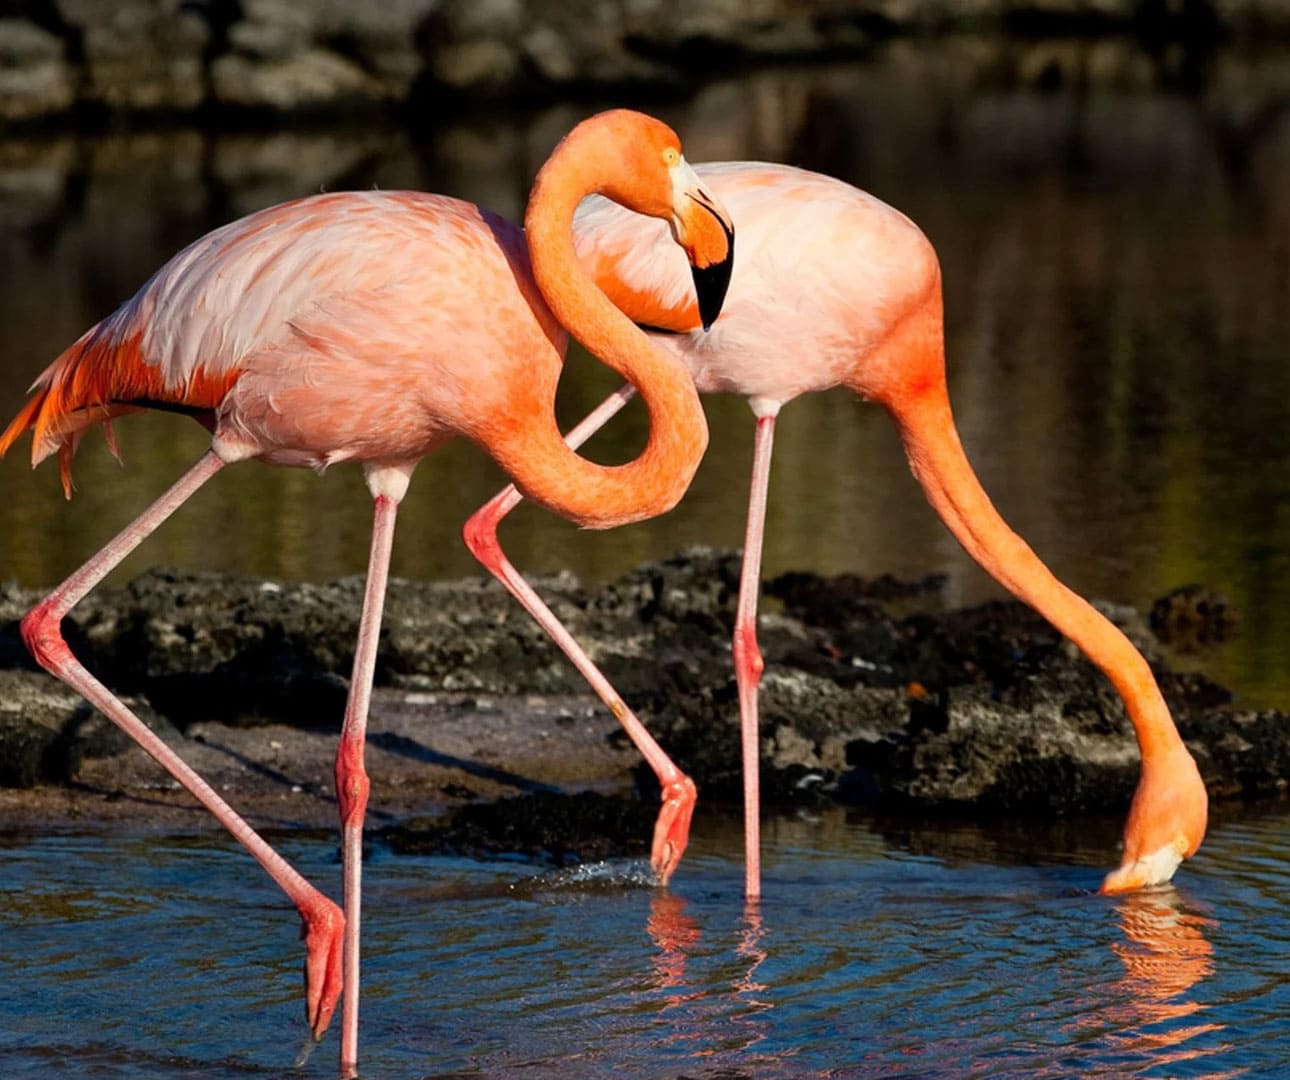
(305, 80)
(36, 78)
(176, 56)
(866, 698)
(1194, 619)
(139, 56)
(555, 829)
(47, 730)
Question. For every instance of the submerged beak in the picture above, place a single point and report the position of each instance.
(703, 228)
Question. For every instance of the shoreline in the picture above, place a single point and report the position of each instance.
(873, 697)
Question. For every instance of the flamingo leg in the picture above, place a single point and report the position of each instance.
(672, 829)
(321, 919)
(747, 656)
(352, 784)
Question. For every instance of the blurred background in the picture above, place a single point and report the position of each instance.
(1107, 183)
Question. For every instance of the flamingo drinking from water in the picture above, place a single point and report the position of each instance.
(373, 327)
(831, 287)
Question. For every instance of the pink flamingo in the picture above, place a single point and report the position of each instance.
(848, 294)
(373, 327)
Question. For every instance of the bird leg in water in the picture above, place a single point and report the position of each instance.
(322, 920)
(748, 661)
(672, 829)
(388, 486)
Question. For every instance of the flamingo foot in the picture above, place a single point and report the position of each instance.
(672, 830)
(322, 928)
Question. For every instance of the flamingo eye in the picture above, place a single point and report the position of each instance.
(671, 155)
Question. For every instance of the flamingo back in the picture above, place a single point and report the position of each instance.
(303, 303)
(822, 273)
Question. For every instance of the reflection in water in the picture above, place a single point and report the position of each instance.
(674, 933)
(697, 1015)
(1166, 957)
(865, 959)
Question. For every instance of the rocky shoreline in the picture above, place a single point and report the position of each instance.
(873, 696)
(62, 59)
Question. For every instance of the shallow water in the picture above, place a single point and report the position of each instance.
(878, 950)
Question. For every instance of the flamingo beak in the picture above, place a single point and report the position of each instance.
(703, 228)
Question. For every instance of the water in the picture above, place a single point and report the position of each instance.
(878, 951)
(1116, 260)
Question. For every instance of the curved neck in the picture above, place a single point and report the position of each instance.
(532, 451)
(918, 401)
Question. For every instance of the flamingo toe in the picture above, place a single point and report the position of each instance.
(323, 931)
(672, 830)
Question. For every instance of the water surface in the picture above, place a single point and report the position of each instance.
(879, 950)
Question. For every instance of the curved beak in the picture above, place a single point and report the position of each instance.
(703, 228)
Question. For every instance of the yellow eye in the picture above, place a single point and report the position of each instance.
(671, 156)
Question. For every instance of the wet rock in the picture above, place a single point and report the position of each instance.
(1193, 619)
(48, 730)
(555, 829)
(870, 694)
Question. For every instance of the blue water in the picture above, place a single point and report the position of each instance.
(924, 952)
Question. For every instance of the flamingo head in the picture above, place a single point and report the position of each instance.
(650, 175)
(1166, 822)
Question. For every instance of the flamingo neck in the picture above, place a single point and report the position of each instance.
(598, 496)
(914, 393)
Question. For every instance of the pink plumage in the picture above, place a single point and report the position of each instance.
(372, 327)
(832, 287)
(337, 327)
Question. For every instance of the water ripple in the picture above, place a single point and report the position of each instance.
(168, 958)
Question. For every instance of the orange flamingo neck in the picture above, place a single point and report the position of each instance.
(591, 160)
(1170, 806)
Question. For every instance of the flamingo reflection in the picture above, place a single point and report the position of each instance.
(1166, 956)
(711, 1021)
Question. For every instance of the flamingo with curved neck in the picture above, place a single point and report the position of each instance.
(373, 327)
(848, 294)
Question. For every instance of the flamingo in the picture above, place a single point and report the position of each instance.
(847, 294)
(374, 327)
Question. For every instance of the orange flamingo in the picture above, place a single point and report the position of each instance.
(373, 327)
(848, 294)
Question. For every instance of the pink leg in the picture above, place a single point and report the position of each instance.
(352, 785)
(748, 661)
(672, 830)
(322, 920)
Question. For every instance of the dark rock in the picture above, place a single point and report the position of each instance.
(559, 830)
(182, 56)
(1240, 754)
(986, 709)
(36, 77)
(1194, 619)
(47, 730)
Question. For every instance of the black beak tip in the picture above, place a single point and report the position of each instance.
(710, 285)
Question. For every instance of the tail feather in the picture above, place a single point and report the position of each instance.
(24, 420)
(101, 376)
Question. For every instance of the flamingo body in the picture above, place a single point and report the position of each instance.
(831, 287)
(372, 327)
(338, 327)
(793, 321)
